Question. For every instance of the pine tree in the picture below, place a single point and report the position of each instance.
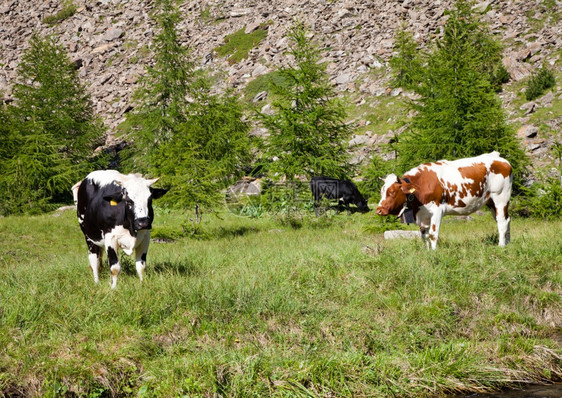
(164, 93)
(194, 140)
(406, 65)
(207, 152)
(308, 130)
(52, 131)
(459, 114)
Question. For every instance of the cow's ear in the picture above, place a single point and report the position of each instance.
(408, 189)
(115, 194)
(157, 192)
(113, 199)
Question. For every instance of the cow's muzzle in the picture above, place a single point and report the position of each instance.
(381, 211)
(143, 223)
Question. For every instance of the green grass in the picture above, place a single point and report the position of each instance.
(383, 114)
(263, 83)
(68, 10)
(259, 309)
(238, 44)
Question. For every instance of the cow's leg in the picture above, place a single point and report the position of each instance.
(114, 265)
(95, 257)
(140, 252)
(347, 207)
(425, 236)
(500, 212)
(503, 220)
(434, 226)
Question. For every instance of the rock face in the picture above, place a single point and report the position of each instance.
(110, 40)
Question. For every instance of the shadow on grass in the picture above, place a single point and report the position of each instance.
(233, 232)
(184, 267)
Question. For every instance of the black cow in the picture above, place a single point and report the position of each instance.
(344, 191)
(115, 210)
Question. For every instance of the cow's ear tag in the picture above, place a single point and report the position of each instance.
(412, 190)
(113, 202)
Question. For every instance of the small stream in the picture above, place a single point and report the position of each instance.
(534, 391)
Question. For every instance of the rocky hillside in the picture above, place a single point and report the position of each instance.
(110, 42)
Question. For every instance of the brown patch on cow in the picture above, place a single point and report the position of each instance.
(432, 237)
(460, 203)
(433, 227)
(477, 173)
(114, 271)
(427, 186)
(499, 167)
(505, 211)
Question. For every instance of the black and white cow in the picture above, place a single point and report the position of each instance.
(344, 191)
(115, 211)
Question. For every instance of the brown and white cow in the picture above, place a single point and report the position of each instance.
(461, 187)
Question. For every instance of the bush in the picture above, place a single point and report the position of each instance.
(374, 174)
(542, 200)
(539, 83)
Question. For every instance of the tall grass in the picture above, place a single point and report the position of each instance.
(260, 309)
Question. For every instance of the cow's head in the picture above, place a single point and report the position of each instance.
(362, 205)
(395, 192)
(137, 194)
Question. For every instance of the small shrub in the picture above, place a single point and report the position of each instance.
(539, 83)
(542, 200)
(68, 10)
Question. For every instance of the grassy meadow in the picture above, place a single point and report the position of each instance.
(258, 308)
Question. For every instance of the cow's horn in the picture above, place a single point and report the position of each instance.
(150, 182)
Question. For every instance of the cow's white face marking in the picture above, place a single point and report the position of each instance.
(138, 190)
(388, 181)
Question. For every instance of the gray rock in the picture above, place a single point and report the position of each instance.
(358, 140)
(260, 96)
(528, 131)
(113, 34)
(529, 107)
(344, 78)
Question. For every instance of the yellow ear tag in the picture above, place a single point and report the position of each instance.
(113, 203)
(412, 190)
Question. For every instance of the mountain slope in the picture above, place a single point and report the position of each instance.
(110, 41)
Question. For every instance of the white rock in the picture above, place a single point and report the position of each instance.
(398, 234)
